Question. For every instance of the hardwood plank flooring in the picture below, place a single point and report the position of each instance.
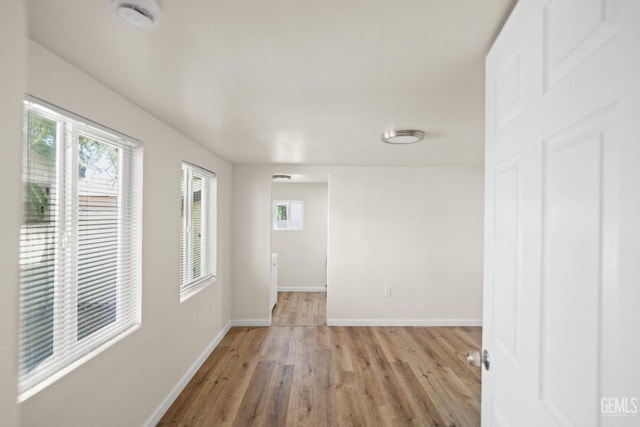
(300, 309)
(297, 374)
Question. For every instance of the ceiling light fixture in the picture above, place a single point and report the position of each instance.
(406, 136)
(282, 177)
(140, 13)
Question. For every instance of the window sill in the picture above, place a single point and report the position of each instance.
(75, 364)
(194, 289)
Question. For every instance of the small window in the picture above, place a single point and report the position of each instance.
(80, 241)
(198, 234)
(287, 215)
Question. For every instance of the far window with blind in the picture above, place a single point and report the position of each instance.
(287, 214)
(80, 241)
(198, 232)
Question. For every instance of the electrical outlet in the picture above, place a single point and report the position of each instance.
(387, 291)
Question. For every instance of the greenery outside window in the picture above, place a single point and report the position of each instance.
(80, 242)
(287, 214)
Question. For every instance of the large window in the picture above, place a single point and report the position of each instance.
(198, 235)
(80, 241)
(287, 214)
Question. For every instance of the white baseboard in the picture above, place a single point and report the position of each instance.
(177, 389)
(302, 289)
(251, 322)
(404, 322)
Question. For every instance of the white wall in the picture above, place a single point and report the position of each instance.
(416, 230)
(302, 253)
(13, 46)
(251, 245)
(125, 384)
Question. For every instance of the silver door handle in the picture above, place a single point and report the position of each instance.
(474, 358)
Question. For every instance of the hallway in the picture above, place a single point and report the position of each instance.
(300, 309)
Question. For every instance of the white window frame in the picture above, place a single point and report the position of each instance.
(69, 352)
(190, 285)
(288, 204)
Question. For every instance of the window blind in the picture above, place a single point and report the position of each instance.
(80, 241)
(198, 232)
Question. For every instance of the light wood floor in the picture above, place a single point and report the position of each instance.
(300, 309)
(333, 376)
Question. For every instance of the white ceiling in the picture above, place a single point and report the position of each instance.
(295, 81)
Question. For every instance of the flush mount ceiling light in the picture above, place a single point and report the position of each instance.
(406, 136)
(140, 13)
(282, 177)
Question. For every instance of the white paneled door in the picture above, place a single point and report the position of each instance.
(562, 223)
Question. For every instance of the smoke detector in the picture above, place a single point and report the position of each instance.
(140, 13)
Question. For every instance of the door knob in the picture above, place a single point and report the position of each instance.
(475, 359)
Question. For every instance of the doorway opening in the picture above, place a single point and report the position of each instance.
(299, 232)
